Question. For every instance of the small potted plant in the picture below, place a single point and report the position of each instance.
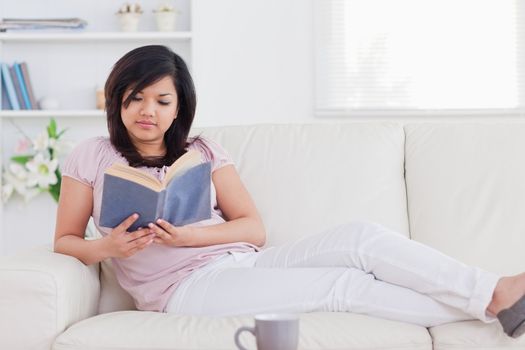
(129, 16)
(165, 17)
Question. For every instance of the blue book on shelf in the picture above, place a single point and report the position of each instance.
(16, 85)
(5, 99)
(23, 87)
(10, 89)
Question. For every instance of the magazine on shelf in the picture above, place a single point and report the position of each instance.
(41, 23)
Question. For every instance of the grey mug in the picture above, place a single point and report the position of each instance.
(273, 332)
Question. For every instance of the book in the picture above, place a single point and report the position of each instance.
(29, 86)
(5, 99)
(181, 198)
(20, 78)
(16, 85)
(10, 89)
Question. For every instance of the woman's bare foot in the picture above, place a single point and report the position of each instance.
(508, 291)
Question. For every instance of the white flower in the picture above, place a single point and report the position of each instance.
(41, 143)
(42, 171)
(30, 193)
(15, 179)
(7, 191)
(60, 147)
(16, 176)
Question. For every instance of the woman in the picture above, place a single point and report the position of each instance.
(216, 266)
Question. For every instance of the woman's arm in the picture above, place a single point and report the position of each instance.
(74, 209)
(243, 221)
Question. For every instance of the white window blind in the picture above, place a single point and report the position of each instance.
(418, 55)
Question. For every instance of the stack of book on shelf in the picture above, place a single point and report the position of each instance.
(41, 23)
(17, 91)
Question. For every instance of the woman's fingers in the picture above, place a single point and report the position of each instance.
(139, 244)
(130, 237)
(142, 239)
(158, 231)
(124, 225)
(165, 225)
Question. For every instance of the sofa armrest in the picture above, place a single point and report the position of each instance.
(41, 294)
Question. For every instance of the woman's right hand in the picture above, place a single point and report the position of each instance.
(122, 244)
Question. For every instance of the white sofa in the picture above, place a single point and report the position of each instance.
(459, 187)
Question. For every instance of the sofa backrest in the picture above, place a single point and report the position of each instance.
(306, 178)
(466, 191)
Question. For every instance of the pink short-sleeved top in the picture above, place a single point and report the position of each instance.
(152, 274)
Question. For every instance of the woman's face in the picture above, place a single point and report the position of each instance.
(150, 112)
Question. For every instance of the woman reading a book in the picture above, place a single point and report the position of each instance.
(216, 266)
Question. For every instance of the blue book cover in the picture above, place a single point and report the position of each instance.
(16, 85)
(10, 89)
(23, 87)
(4, 97)
(183, 198)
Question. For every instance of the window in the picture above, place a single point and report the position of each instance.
(413, 55)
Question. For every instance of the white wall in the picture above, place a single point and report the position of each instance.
(252, 62)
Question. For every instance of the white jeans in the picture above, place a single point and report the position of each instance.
(358, 267)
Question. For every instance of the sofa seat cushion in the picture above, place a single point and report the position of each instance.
(470, 335)
(150, 330)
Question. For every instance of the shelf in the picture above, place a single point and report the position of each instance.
(92, 36)
(95, 113)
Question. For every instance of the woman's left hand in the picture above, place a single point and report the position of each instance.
(167, 234)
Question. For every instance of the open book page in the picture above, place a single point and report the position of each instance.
(185, 162)
(132, 174)
(181, 165)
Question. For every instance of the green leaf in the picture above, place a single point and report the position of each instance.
(21, 159)
(54, 190)
(61, 133)
(52, 129)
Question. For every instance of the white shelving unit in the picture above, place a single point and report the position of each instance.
(92, 36)
(79, 38)
(95, 113)
(28, 46)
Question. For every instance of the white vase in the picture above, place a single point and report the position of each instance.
(165, 21)
(129, 22)
(49, 103)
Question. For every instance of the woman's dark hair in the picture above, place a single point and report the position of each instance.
(138, 69)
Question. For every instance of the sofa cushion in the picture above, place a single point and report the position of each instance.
(466, 191)
(473, 335)
(150, 330)
(41, 294)
(321, 174)
(112, 296)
